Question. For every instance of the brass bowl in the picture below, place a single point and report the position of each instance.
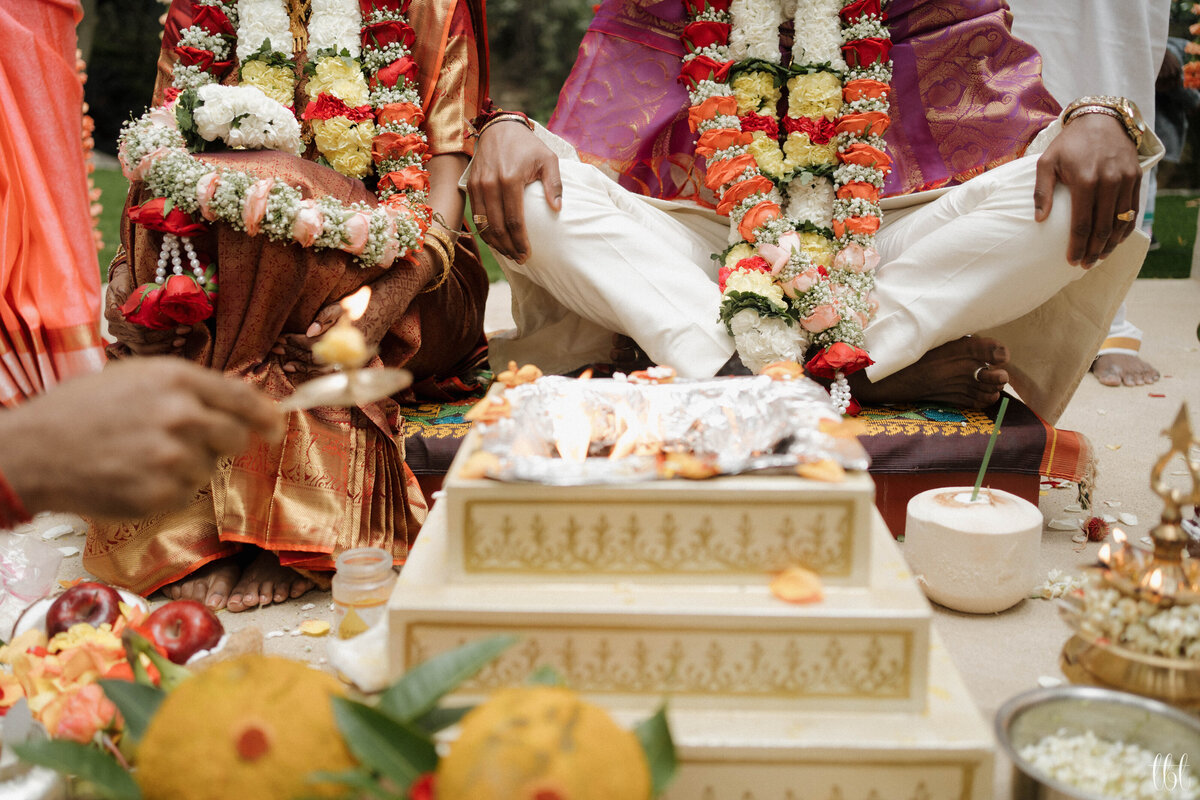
(1172, 680)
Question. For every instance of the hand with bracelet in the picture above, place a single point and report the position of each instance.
(508, 157)
(394, 291)
(1096, 158)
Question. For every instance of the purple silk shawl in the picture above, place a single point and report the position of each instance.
(967, 96)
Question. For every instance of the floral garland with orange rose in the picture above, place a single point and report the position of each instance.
(346, 98)
(802, 192)
(1191, 70)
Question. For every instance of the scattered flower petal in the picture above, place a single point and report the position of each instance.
(1074, 508)
(314, 627)
(57, 531)
(797, 585)
(1049, 681)
(1063, 525)
(69, 551)
(275, 634)
(308, 606)
(1127, 518)
(1113, 446)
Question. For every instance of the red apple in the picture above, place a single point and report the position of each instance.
(90, 602)
(183, 628)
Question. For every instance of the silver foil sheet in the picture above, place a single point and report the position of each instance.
(565, 431)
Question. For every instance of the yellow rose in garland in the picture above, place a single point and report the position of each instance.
(768, 155)
(817, 248)
(345, 144)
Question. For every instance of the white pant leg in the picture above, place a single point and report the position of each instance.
(613, 261)
(1123, 336)
(974, 261)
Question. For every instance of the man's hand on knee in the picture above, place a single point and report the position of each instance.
(1098, 163)
(508, 158)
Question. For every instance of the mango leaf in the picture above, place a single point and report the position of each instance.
(654, 734)
(388, 746)
(546, 675)
(136, 702)
(423, 685)
(360, 779)
(438, 719)
(99, 769)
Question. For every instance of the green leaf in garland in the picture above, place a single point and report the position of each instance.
(98, 768)
(425, 684)
(168, 204)
(734, 301)
(546, 675)
(136, 702)
(654, 734)
(778, 74)
(388, 746)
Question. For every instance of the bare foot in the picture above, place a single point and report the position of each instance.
(627, 356)
(1116, 369)
(968, 373)
(209, 585)
(265, 581)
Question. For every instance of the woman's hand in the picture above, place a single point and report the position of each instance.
(139, 339)
(1097, 161)
(509, 157)
(391, 295)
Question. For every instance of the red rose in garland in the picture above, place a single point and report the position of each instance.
(704, 33)
(150, 215)
(838, 356)
(853, 12)
(704, 68)
(213, 20)
(389, 32)
(395, 73)
(399, 6)
(865, 52)
(184, 301)
(143, 308)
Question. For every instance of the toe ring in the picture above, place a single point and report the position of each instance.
(980, 369)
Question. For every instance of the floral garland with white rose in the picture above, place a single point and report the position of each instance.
(344, 104)
(803, 213)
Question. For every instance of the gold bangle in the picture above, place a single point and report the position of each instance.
(502, 118)
(448, 239)
(435, 245)
(1122, 109)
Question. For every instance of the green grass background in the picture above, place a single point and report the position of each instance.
(1174, 227)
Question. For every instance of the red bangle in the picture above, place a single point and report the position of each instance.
(12, 510)
(492, 114)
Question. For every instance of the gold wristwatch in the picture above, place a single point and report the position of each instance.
(1120, 108)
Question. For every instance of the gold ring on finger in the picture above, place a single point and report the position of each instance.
(1126, 216)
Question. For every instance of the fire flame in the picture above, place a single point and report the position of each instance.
(1105, 554)
(1118, 536)
(356, 304)
(1156, 580)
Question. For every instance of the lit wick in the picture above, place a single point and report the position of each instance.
(344, 345)
(1105, 554)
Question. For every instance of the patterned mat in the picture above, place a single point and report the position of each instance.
(899, 439)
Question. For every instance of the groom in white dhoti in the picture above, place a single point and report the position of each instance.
(1008, 272)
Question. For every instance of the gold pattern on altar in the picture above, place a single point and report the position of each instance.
(959, 775)
(764, 664)
(658, 539)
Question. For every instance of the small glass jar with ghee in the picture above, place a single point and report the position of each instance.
(361, 587)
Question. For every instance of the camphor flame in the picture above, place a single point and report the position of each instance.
(1155, 581)
(356, 304)
(1105, 554)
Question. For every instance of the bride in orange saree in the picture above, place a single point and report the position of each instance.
(274, 518)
